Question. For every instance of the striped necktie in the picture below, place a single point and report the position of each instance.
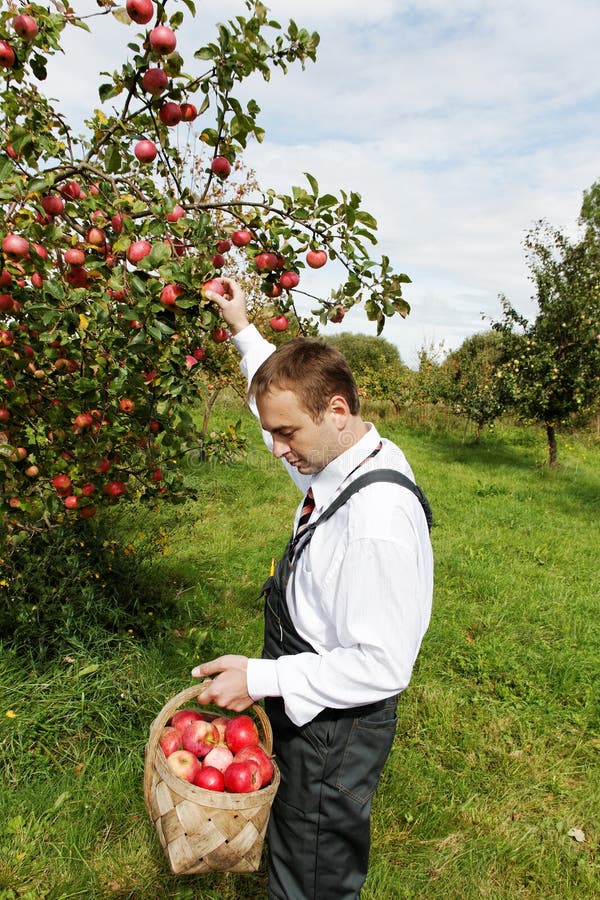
(305, 513)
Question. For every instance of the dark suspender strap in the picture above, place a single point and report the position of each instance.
(391, 475)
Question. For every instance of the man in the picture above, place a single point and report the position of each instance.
(345, 612)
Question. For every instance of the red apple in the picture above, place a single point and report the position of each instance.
(87, 512)
(140, 11)
(214, 286)
(263, 761)
(240, 731)
(220, 722)
(170, 293)
(138, 250)
(163, 40)
(155, 81)
(96, 237)
(71, 502)
(210, 779)
(220, 756)
(114, 488)
(266, 262)
(53, 204)
(83, 420)
(199, 737)
(316, 258)
(242, 777)
(199, 353)
(4, 414)
(289, 280)
(88, 489)
(170, 114)
(126, 405)
(223, 246)
(7, 55)
(241, 237)
(32, 471)
(77, 277)
(71, 190)
(279, 323)
(62, 484)
(218, 260)
(220, 166)
(184, 717)
(170, 740)
(145, 151)
(5, 278)
(26, 27)
(14, 244)
(74, 256)
(6, 302)
(178, 212)
(219, 335)
(338, 315)
(188, 112)
(184, 764)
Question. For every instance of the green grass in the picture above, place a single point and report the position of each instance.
(496, 755)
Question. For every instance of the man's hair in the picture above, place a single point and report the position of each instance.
(314, 371)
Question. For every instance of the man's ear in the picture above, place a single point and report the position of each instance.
(339, 409)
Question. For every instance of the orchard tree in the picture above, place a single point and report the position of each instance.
(472, 381)
(552, 365)
(108, 239)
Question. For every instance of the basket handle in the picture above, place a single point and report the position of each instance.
(191, 693)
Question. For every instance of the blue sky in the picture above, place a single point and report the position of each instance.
(461, 124)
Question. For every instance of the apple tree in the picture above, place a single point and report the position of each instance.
(472, 382)
(107, 238)
(552, 364)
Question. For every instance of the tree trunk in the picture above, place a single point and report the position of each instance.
(552, 454)
(208, 409)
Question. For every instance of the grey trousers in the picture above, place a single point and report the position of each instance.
(319, 830)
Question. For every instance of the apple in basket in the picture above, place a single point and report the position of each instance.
(240, 732)
(242, 777)
(185, 765)
(220, 722)
(200, 737)
(210, 779)
(219, 757)
(170, 740)
(263, 761)
(184, 717)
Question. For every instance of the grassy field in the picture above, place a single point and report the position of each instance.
(493, 786)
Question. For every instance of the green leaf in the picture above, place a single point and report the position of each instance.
(159, 254)
(313, 183)
(112, 159)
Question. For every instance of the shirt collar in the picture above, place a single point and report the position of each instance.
(328, 480)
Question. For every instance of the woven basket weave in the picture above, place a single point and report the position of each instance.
(205, 831)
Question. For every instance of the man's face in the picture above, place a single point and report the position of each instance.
(307, 445)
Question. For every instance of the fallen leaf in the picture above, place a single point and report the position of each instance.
(577, 834)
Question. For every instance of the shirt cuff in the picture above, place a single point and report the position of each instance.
(262, 679)
(247, 338)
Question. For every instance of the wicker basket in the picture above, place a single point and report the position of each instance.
(205, 831)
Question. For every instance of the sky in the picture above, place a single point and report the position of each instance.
(460, 123)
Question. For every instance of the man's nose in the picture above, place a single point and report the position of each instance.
(280, 448)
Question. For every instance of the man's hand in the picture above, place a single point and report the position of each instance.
(230, 688)
(232, 305)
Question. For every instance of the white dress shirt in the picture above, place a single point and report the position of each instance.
(360, 592)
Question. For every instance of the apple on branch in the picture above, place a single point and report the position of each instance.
(26, 27)
(154, 81)
(140, 11)
(279, 323)
(145, 151)
(316, 258)
(163, 40)
(220, 166)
